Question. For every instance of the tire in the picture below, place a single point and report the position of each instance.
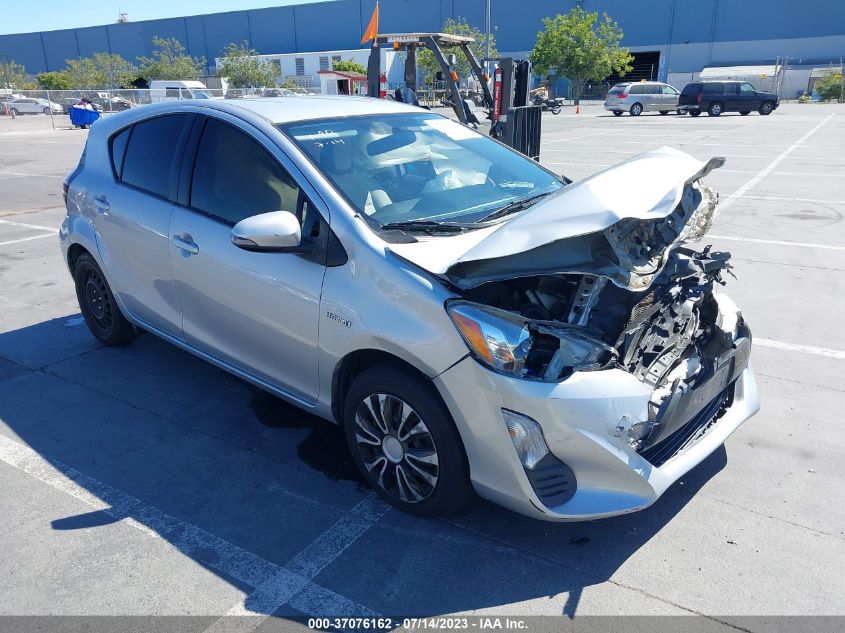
(617, 113)
(766, 108)
(98, 305)
(14, 111)
(555, 111)
(681, 112)
(745, 112)
(664, 112)
(46, 111)
(695, 112)
(715, 109)
(636, 109)
(423, 472)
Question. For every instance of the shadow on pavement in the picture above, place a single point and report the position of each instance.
(191, 441)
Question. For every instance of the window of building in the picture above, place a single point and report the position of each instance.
(300, 66)
(324, 62)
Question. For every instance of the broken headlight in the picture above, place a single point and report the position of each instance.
(514, 345)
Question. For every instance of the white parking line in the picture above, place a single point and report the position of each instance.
(777, 161)
(27, 239)
(779, 198)
(777, 242)
(36, 227)
(805, 349)
(271, 581)
(573, 138)
(19, 174)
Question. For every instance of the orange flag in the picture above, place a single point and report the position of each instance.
(372, 27)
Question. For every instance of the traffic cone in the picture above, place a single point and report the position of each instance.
(578, 109)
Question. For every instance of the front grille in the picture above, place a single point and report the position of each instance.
(690, 432)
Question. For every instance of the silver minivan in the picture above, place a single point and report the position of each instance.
(644, 96)
(473, 321)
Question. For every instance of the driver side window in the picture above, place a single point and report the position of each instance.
(746, 87)
(234, 177)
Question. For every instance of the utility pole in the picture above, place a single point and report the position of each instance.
(841, 81)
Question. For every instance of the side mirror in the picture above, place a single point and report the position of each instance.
(274, 231)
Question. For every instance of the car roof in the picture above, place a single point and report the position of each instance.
(290, 109)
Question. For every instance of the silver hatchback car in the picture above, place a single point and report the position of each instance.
(644, 96)
(472, 320)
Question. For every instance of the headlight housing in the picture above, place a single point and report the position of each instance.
(514, 345)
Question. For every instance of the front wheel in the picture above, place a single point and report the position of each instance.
(636, 109)
(46, 111)
(766, 108)
(98, 305)
(681, 112)
(404, 442)
(715, 109)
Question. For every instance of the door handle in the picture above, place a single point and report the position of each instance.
(186, 244)
(102, 203)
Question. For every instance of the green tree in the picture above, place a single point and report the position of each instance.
(14, 75)
(243, 68)
(429, 66)
(54, 80)
(829, 87)
(349, 66)
(101, 70)
(169, 61)
(581, 47)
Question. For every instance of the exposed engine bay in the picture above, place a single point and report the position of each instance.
(668, 332)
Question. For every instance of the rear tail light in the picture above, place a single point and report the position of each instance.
(698, 99)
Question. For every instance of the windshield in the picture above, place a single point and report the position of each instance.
(418, 167)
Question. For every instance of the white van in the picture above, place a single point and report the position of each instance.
(171, 89)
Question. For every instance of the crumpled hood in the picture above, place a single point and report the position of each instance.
(618, 223)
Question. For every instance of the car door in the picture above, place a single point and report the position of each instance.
(732, 97)
(132, 209)
(749, 97)
(257, 311)
(669, 97)
(27, 106)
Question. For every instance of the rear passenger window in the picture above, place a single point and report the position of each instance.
(118, 149)
(235, 177)
(150, 153)
(712, 89)
(636, 90)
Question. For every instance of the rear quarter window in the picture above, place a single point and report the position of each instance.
(691, 89)
(712, 89)
(616, 90)
(117, 146)
(150, 152)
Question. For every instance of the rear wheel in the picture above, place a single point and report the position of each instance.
(404, 442)
(766, 108)
(617, 113)
(694, 112)
(715, 109)
(98, 305)
(636, 109)
(664, 112)
(745, 112)
(14, 111)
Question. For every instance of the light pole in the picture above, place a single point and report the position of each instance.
(487, 27)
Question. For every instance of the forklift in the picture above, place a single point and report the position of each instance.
(513, 120)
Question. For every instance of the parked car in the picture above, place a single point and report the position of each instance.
(29, 105)
(177, 90)
(715, 97)
(113, 103)
(644, 96)
(471, 319)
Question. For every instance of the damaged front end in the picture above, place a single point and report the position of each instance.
(636, 297)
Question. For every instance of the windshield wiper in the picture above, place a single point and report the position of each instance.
(426, 226)
(513, 207)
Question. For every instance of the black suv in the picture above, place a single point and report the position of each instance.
(715, 97)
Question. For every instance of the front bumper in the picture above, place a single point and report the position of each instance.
(579, 418)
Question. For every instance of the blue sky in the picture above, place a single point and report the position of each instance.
(49, 15)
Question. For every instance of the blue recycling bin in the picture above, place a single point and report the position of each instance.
(81, 116)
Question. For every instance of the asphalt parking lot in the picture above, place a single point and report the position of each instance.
(141, 480)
